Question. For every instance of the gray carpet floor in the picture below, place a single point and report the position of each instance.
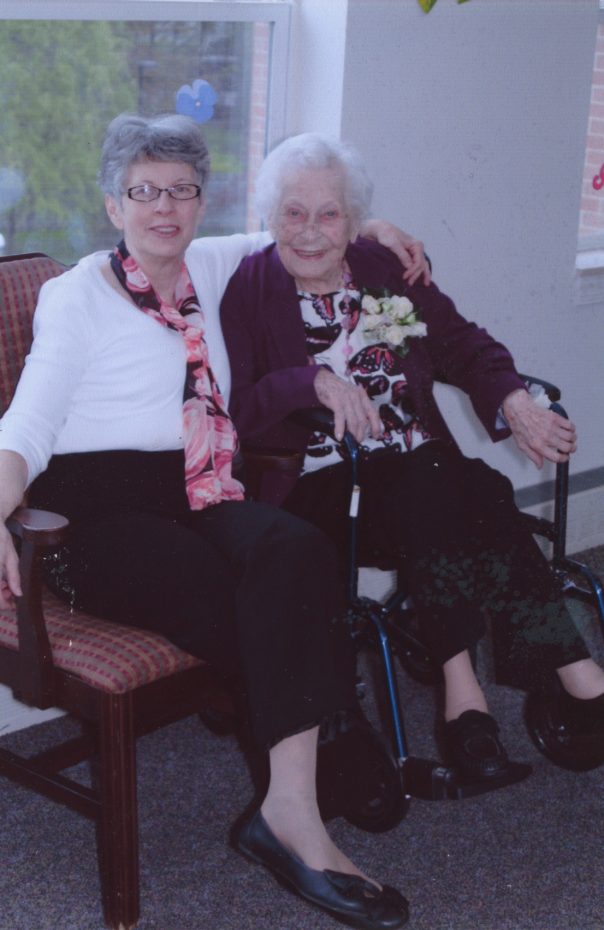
(528, 857)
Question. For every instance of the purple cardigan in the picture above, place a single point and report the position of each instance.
(271, 376)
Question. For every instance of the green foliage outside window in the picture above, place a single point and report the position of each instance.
(56, 97)
(61, 82)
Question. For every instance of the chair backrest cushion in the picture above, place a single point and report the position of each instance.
(21, 277)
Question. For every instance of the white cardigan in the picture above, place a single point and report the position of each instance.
(103, 375)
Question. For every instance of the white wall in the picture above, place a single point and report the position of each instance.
(472, 121)
(318, 52)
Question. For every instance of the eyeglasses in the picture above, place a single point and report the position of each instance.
(146, 193)
(294, 218)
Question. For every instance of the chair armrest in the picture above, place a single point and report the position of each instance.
(285, 460)
(289, 461)
(36, 530)
(259, 462)
(39, 527)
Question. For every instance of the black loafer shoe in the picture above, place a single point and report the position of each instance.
(348, 898)
(568, 730)
(582, 717)
(473, 745)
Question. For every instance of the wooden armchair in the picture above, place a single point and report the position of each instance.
(119, 682)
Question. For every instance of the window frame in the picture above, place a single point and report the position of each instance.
(277, 13)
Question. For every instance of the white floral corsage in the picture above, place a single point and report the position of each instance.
(391, 319)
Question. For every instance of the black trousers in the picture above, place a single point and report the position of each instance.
(452, 527)
(246, 586)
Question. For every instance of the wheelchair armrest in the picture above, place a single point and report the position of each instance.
(321, 419)
(554, 393)
(314, 418)
(554, 530)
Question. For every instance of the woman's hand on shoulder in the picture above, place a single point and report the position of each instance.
(352, 409)
(539, 433)
(10, 579)
(408, 250)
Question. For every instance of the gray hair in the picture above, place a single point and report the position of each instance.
(130, 139)
(311, 150)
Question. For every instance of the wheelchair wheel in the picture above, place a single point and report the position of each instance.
(377, 802)
(552, 739)
(358, 777)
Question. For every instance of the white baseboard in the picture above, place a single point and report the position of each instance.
(585, 522)
(16, 716)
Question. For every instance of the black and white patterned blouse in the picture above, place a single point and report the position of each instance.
(335, 339)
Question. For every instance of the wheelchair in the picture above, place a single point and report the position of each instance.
(362, 776)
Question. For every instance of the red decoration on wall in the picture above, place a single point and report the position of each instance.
(598, 181)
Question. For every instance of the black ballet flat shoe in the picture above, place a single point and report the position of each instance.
(473, 746)
(348, 898)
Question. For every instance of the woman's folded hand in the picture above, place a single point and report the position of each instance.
(352, 409)
(539, 433)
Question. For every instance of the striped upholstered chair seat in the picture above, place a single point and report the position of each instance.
(105, 655)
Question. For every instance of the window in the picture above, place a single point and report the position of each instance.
(67, 67)
(591, 221)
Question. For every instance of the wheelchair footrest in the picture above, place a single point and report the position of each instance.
(431, 780)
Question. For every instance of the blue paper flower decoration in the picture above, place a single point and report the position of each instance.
(196, 101)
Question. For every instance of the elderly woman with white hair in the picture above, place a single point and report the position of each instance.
(120, 422)
(321, 318)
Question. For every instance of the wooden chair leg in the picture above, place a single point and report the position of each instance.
(118, 822)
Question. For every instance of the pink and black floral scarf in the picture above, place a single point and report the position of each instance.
(209, 435)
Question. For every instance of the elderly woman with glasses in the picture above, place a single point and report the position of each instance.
(319, 318)
(120, 422)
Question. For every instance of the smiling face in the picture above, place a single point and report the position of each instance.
(159, 231)
(312, 228)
